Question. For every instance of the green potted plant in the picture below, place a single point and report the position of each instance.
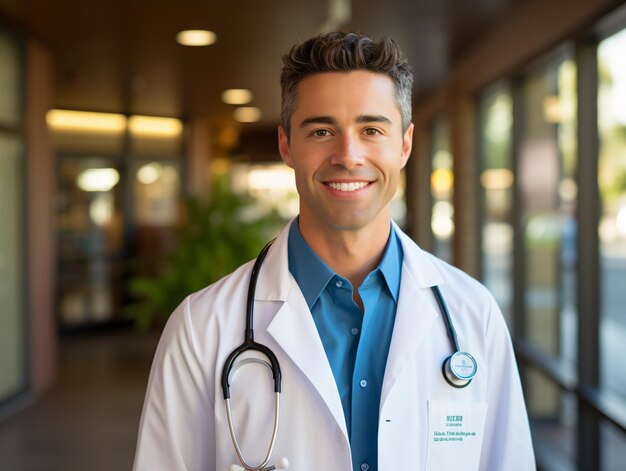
(216, 237)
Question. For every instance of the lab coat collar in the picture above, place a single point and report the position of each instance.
(417, 263)
(275, 281)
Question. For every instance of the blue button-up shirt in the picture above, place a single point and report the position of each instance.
(356, 343)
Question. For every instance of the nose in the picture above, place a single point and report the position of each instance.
(348, 153)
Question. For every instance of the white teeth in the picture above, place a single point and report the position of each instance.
(352, 186)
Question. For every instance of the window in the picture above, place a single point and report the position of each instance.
(496, 186)
(12, 348)
(612, 230)
(546, 166)
(13, 363)
(10, 82)
(442, 191)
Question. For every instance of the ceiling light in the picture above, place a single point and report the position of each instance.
(154, 126)
(65, 120)
(236, 96)
(247, 114)
(196, 37)
(98, 179)
(149, 173)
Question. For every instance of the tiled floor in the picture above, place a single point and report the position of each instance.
(89, 420)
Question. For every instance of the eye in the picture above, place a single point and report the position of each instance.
(371, 131)
(321, 133)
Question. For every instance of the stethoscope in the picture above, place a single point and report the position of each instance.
(458, 369)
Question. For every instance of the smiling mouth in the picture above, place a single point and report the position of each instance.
(351, 186)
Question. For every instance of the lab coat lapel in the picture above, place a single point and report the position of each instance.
(294, 330)
(415, 313)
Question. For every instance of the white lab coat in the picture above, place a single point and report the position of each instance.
(184, 425)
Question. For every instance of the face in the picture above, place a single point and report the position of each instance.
(347, 149)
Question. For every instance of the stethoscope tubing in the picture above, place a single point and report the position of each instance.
(249, 343)
(447, 319)
(270, 449)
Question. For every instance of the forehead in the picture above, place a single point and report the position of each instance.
(359, 91)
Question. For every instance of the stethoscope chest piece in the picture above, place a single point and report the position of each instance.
(459, 369)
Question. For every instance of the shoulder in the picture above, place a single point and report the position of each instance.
(205, 314)
(459, 280)
(430, 270)
(461, 291)
(218, 310)
(222, 292)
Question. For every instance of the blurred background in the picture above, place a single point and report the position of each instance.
(138, 162)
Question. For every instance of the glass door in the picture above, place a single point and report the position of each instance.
(90, 228)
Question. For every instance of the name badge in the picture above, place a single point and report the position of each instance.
(455, 434)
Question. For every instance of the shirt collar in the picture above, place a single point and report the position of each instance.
(391, 264)
(312, 274)
(310, 271)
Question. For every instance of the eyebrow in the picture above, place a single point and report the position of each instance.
(373, 119)
(318, 120)
(330, 120)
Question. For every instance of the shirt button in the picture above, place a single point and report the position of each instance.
(354, 331)
(339, 283)
(365, 466)
(363, 384)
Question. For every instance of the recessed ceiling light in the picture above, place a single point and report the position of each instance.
(76, 121)
(236, 96)
(196, 37)
(247, 114)
(98, 179)
(155, 126)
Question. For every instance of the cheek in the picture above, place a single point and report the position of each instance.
(390, 160)
(307, 164)
(303, 177)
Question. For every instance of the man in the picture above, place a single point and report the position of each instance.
(345, 301)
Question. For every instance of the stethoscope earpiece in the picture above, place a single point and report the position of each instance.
(459, 369)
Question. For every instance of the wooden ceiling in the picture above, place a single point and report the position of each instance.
(121, 55)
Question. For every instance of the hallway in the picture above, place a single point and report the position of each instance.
(89, 420)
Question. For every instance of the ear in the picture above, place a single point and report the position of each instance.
(407, 144)
(283, 146)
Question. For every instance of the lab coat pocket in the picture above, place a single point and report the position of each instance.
(455, 435)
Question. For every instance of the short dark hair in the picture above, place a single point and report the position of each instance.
(345, 52)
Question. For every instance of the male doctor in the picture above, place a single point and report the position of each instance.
(344, 300)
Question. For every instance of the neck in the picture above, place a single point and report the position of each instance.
(352, 254)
